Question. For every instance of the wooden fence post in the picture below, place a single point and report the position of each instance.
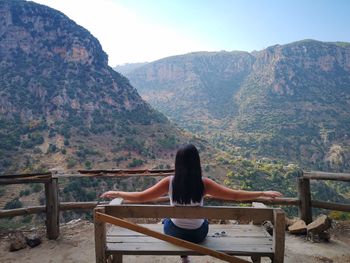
(305, 211)
(279, 226)
(52, 209)
(100, 237)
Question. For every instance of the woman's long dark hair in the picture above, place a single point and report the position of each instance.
(187, 183)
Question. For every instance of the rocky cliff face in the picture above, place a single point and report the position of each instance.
(290, 101)
(60, 100)
(23, 26)
(297, 101)
(287, 66)
(41, 49)
(196, 88)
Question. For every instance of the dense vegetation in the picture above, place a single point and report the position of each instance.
(287, 102)
(266, 174)
(62, 105)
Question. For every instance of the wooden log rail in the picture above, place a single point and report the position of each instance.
(51, 197)
(25, 178)
(125, 172)
(53, 206)
(306, 203)
(67, 206)
(345, 177)
(13, 176)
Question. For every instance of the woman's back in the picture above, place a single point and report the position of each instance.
(184, 222)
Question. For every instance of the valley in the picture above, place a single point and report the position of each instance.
(286, 102)
(257, 118)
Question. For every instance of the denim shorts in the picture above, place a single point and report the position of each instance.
(191, 235)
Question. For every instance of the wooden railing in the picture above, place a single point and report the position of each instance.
(304, 191)
(53, 206)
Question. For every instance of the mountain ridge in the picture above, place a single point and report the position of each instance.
(62, 105)
(282, 97)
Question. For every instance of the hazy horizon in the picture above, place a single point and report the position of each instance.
(133, 31)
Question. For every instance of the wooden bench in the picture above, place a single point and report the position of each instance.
(239, 239)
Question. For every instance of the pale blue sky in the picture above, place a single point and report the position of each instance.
(146, 30)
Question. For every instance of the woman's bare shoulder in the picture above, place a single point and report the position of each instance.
(207, 182)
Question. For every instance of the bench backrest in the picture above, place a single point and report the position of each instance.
(257, 215)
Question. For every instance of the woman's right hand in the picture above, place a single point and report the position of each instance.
(110, 194)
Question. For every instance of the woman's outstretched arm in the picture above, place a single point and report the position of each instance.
(221, 192)
(157, 190)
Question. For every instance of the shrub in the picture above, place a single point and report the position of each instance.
(37, 188)
(2, 191)
(52, 133)
(52, 148)
(25, 192)
(27, 219)
(135, 162)
(337, 215)
(88, 165)
(168, 142)
(15, 203)
(71, 162)
(37, 150)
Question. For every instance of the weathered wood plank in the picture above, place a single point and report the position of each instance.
(24, 180)
(117, 258)
(22, 211)
(16, 176)
(100, 237)
(128, 171)
(91, 205)
(169, 249)
(330, 205)
(231, 230)
(110, 175)
(250, 238)
(327, 176)
(158, 211)
(210, 242)
(176, 241)
(278, 235)
(64, 206)
(274, 201)
(123, 173)
(305, 212)
(52, 209)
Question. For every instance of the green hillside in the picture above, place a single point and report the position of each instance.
(287, 102)
(62, 106)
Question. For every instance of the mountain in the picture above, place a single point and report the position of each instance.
(287, 102)
(193, 89)
(62, 105)
(126, 68)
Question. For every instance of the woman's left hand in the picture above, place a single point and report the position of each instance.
(110, 194)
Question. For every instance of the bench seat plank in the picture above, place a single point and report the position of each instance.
(238, 240)
(233, 230)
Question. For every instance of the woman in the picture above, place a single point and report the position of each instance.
(187, 188)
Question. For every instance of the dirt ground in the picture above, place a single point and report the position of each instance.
(76, 244)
